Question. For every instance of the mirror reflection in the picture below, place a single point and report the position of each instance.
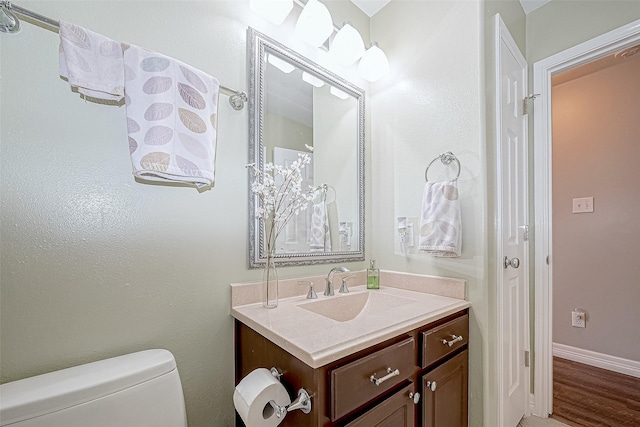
(298, 107)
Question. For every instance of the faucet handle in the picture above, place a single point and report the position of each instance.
(312, 292)
(343, 288)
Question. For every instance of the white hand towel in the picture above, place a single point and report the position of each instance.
(171, 118)
(440, 223)
(91, 63)
(320, 240)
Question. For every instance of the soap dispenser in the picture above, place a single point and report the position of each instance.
(373, 276)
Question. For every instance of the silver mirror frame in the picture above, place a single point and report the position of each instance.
(257, 45)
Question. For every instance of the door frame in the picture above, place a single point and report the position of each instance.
(603, 45)
(502, 34)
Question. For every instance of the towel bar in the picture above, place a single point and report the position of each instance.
(237, 98)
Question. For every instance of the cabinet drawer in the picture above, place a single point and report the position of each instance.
(397, 411)
(444, 339)
(353, 385)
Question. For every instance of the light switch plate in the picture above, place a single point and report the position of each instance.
(583, 205)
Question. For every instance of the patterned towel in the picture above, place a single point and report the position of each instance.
(91, 63)
(320, 239)
(440, 224)
(171, 118)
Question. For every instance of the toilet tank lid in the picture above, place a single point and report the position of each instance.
(54, 391)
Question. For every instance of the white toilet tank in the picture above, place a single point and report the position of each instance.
(139, 390)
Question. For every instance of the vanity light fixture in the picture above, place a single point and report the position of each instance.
(312, 80)
(281, 65)
(337, 92)
(347, 46)
(314, 25)
(374, 64)
(274, 11)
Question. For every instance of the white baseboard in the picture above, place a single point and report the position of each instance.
(599, 360)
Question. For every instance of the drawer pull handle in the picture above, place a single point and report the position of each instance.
(390, 374)
(431, 385)
(455, 339)
(415, 397)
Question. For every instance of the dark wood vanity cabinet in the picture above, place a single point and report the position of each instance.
(444, 393)
(345, 393)
(444, 383)
(396, 411)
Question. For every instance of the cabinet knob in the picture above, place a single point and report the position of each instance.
(415, 397)
(455, 339)
(431, 385)
(390, 374)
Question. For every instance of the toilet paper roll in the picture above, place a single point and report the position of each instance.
(252, 396)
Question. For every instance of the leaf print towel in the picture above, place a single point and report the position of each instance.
(91, 63)
(440, 224)
(171, 118)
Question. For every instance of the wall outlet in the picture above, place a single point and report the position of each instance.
(578, 319)
(583, 205)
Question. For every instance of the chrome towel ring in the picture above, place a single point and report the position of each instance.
(445, 158)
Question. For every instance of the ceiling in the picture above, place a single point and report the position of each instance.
(371, 7)
(531, 5)
(632, 56)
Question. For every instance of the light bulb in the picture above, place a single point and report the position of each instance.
(272, 10)
(374, 64)
(347, 46)
(312, 80)
(281, 65)
(337, 92)
(314, 25)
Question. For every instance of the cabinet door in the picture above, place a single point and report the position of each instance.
(396, 411)
(444, 393)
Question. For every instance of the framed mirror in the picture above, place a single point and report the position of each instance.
(297, 106)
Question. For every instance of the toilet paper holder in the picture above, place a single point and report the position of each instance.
(302, 402)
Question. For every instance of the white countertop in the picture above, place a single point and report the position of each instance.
(318, 340)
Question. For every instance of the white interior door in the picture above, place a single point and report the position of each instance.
(513, 271)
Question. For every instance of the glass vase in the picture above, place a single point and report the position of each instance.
(270, 282)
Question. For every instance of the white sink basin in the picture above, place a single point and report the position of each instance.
(346, 307)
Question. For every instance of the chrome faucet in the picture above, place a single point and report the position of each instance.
(328, 291)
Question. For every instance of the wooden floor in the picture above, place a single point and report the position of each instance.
(592, 397)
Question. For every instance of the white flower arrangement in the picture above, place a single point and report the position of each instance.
(280, 194)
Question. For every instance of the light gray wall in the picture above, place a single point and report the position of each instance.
(432, 102)
(94, 264)
(561, 24)
(595, 153)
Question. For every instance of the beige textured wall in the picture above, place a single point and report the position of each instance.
(595, 153)
(94, 264)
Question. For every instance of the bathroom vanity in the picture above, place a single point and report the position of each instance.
(392, 357)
